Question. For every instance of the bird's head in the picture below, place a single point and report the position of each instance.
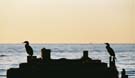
(26, 42)
(107, 44)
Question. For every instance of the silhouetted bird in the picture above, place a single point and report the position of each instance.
(110, 50)
(28, 48)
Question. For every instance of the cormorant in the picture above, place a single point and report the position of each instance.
(110, 50)
(28, 48)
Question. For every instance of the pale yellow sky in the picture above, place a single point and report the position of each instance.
(67, 21)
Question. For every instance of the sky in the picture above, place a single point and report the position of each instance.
(67, 21)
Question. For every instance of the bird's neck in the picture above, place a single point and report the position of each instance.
(27, 44)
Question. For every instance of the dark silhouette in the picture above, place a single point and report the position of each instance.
(45, 67)
(110, 51)
(45, 54)
(28, 48)
(123, 74)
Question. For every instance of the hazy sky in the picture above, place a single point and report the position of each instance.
(67, 21)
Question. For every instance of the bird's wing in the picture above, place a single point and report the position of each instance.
(112, 52)
(31, 49)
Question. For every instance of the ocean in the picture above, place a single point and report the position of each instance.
(13, 54)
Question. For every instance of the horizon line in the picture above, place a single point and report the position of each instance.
(69, 43)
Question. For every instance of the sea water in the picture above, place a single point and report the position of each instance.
(13, 54)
